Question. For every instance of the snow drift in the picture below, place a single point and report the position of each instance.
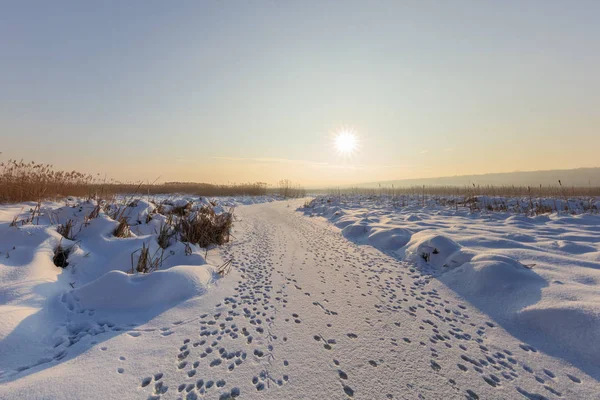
(117, 290)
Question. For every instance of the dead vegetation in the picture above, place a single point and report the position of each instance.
(188, 222)
(32, 217)
(165, 234)
(201, 227)
(66, 229)
(225, 268)
(205, 229)
(146, 262)
(191, 224)
(29, 181)
(559, 190)
(95, 212)
(528, 200)
(182, 209)
(287, 189)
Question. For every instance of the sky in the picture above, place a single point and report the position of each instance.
(245, 91)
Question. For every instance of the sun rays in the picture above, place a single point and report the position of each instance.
(345, 142)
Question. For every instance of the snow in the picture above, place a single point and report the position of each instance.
(357, 298)
(40, 303)
(117, 290)
(539, 275)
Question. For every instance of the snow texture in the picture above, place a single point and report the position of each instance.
(369, 302)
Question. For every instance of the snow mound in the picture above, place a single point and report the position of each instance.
(574, 248)
(344, 222)
(356, 230)
(491, 275)
(138, 210)
(117, 290)
(574, 326)
(334, 212)
(438, 251)
(389, 238)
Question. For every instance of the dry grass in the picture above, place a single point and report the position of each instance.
(165, 234)
(29, 181)
(205, 229)
(287, 189)
(182, 210)
(66, 229)
(95, 213)
(225, 268)
(15, 221)
(559, 190)
(518, 200)
(122, 230)
(34, 216)
(20, 181)
(147, 262)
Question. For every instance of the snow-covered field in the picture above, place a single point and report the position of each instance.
(45, 311)
(370, 302)
(537, 276)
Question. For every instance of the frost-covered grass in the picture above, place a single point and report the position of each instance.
(534, 270)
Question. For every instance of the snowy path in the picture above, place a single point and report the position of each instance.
(310, 315)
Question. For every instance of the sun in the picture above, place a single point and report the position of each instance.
(345, 142)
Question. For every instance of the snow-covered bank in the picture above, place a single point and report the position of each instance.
(58, 291)
(537, 276)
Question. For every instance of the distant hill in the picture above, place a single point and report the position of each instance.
(568, 177)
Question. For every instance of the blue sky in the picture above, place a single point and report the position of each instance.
(246, 91)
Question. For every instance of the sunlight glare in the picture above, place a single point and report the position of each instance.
(345, 142)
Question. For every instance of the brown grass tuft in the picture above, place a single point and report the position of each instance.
(165, 233)
(95, 212)
(182, 210)
(205, 229)
(147, 262)
(66, 229)
(122, 230)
